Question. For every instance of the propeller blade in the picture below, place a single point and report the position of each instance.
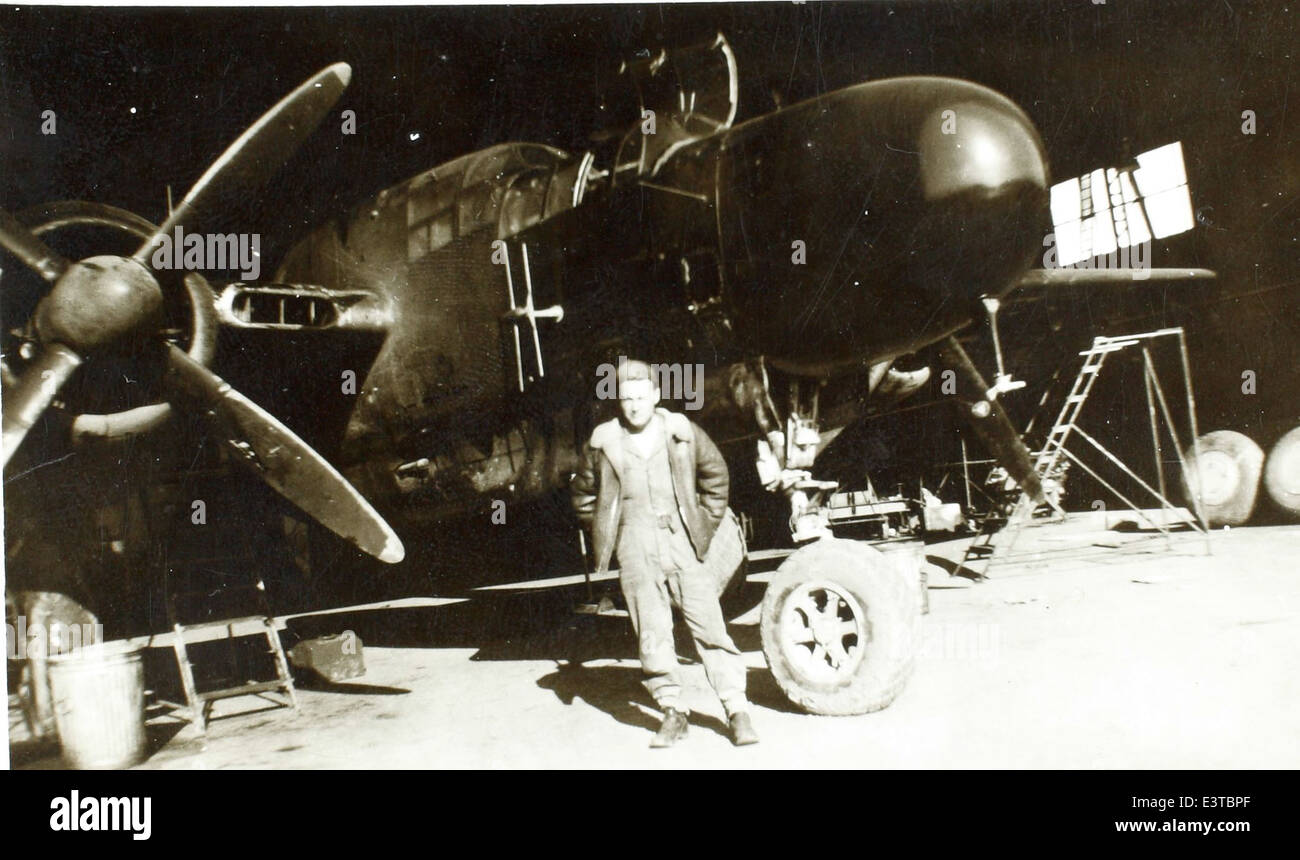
(993, 428)
(257, 153)
(285, 462)
(23, 244)
(38, 387)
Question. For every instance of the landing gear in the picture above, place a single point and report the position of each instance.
(785, 461)
(839, 624)
(839, 619)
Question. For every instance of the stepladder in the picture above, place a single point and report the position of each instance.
(1049, 457)
(1051, 461)
(998, 534)
(237, 679)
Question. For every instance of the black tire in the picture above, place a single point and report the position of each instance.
(874, 620)
(1282, 474)
(1231, 464)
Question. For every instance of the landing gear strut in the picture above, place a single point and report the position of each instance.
(785, 459)
(839, 618)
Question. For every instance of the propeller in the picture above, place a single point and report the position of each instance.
(24, 405)
(257, 154)
(272, 451)
(990, 421)
(20, 242)
(106, 303)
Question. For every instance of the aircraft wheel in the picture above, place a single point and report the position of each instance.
(839, 623)
(1282, 473)
(1229, 467)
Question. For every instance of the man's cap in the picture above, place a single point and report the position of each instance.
(630, 370)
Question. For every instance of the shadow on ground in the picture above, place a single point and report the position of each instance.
(954, 568)
(617, 691)
(509, 625)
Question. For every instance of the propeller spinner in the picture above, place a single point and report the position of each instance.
(103, 304)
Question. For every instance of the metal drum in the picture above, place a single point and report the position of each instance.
(99, 706)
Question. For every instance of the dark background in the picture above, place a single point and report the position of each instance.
(1101, 82)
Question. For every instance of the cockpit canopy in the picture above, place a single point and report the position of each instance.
(505, 188)
(687, 94)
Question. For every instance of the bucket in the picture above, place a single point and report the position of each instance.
(98, 699)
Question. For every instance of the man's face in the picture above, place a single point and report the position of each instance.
(637, 400)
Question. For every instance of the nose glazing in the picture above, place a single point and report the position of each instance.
(980, 147)
(984, 180)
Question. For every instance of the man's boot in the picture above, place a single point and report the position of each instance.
(671, 730)
(742, 730)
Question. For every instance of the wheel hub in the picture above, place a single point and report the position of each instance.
(1219, 477)
(826, 631)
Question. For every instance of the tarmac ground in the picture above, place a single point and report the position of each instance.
(1097, 649)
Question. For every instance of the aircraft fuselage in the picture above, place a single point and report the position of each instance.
(825, 237)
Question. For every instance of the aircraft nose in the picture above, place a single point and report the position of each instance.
(984, 179)
(878, 214)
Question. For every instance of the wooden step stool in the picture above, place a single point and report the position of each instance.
(200, 702)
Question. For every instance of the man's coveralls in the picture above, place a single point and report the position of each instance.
(659, 567)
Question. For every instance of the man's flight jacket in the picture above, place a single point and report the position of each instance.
(700, 482)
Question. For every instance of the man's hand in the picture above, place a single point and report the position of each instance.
(582, 489)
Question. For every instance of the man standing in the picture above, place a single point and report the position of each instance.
(652, 485)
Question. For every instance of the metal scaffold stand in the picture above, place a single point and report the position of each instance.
(1051, 461)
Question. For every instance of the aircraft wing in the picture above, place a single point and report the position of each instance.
(1103, 223)
(1040, 278)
